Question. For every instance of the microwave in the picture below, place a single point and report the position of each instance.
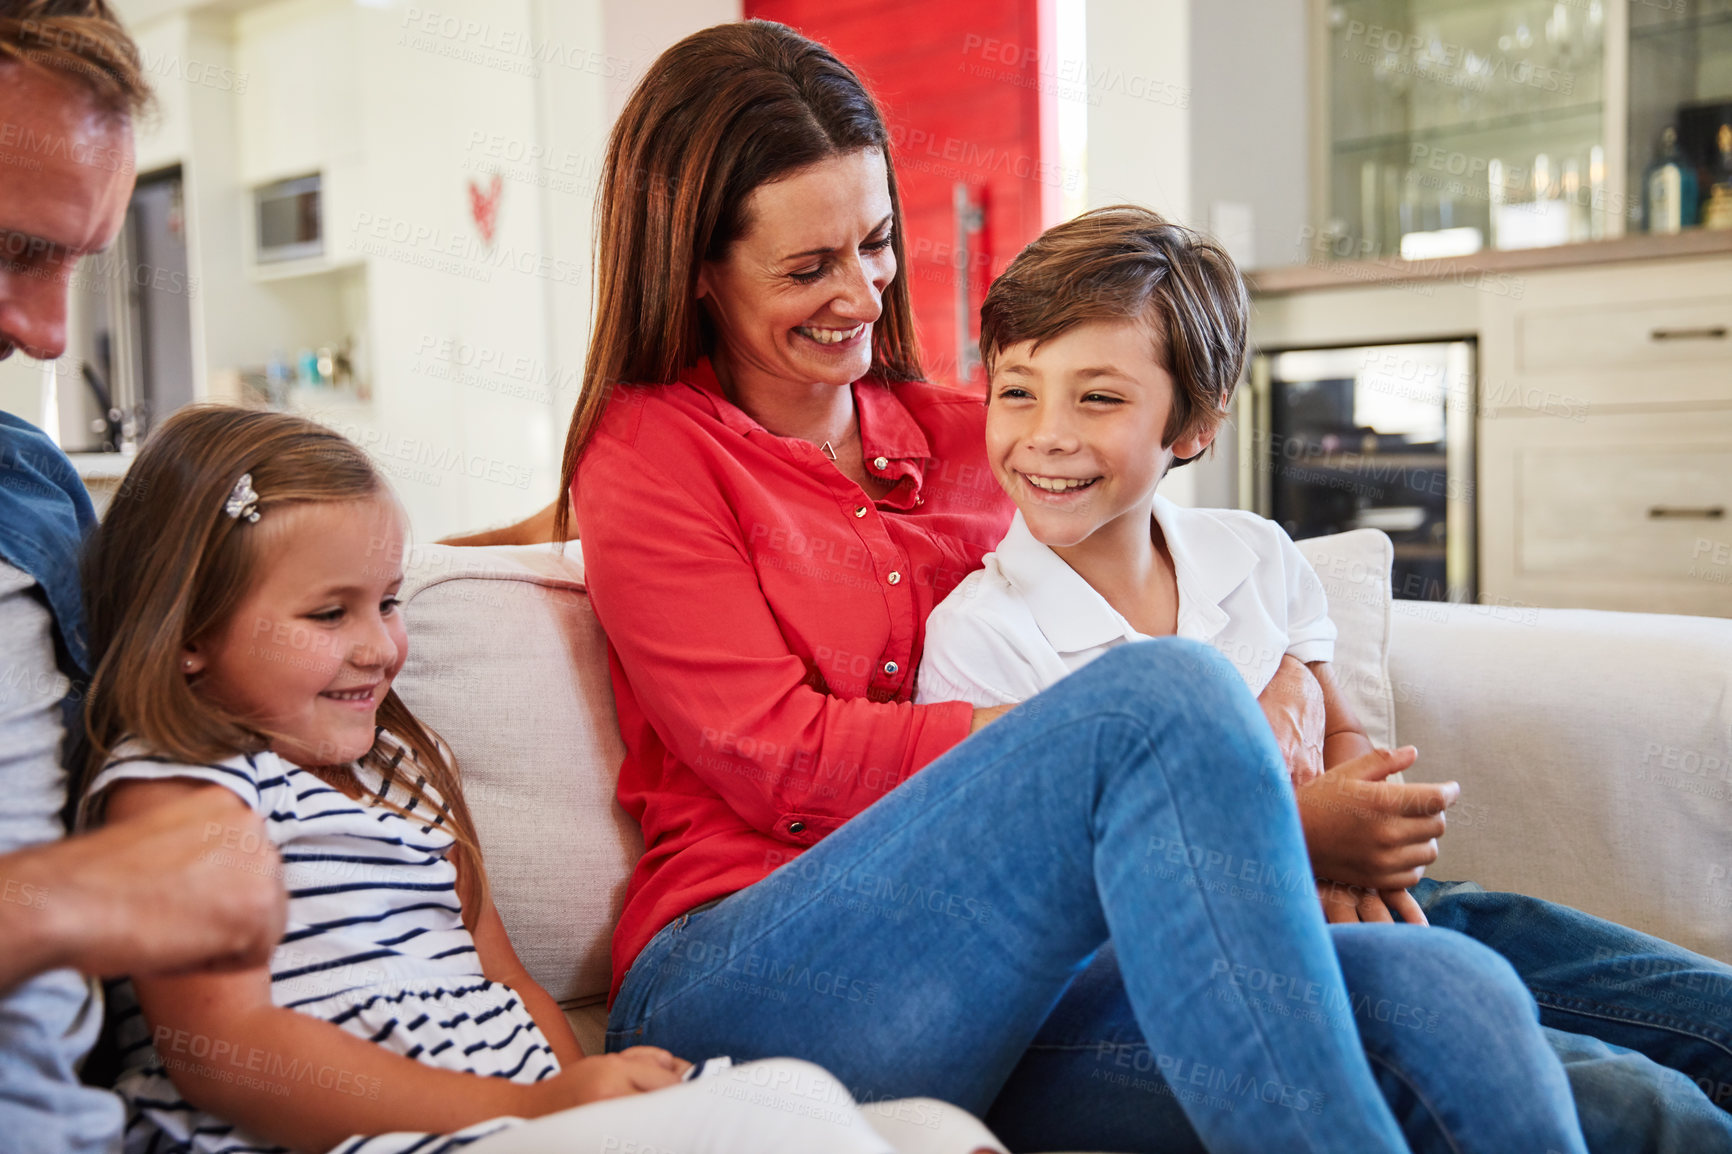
(288, 220)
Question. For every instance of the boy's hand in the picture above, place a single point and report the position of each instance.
(1293, 703)
(1350, 904)
(1371, 833)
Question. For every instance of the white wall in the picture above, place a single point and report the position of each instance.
(1196, 104)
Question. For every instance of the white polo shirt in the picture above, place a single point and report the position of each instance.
(1027, 619)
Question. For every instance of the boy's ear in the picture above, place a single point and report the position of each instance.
(1188, 446)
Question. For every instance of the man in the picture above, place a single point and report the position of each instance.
(134, 897)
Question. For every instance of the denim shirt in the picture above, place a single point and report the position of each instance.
(47, 1024)
(44, 516)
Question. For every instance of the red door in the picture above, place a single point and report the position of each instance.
(960, 85)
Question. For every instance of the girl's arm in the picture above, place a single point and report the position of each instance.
(499, 963)
(307, 1084)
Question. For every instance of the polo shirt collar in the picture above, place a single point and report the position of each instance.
(1209, 562)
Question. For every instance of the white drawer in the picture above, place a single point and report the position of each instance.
(1624, 336)
(1652, 511)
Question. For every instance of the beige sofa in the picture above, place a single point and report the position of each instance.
(1594, 749)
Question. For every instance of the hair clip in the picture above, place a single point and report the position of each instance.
(243, 500)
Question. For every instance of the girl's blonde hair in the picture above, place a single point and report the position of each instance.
(169, 565)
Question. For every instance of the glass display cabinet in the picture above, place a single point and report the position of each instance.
(1448, 126)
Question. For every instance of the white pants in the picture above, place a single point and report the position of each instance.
(780, 1106)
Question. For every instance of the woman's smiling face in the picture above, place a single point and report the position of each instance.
(795, 298)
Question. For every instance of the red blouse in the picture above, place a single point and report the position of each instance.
(765, 619)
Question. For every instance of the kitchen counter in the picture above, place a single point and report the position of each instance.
(1329, 274)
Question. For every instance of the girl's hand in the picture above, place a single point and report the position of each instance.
(986, 715)
(633, 1071)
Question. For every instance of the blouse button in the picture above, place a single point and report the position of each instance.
(891, 667)
(880, 463)
(895, 578)
(796, 826)
(860, 511)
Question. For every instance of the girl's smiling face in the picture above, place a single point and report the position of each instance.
(1074, 430)
(794, 299)
(313, 646)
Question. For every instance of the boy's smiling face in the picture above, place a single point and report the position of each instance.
(1074, 429)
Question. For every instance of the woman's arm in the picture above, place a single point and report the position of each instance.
(1294, 705)
(307, 1084)
(1371, 837)
(712, 668)
(532, 530)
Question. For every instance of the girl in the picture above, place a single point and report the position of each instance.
(246, 633)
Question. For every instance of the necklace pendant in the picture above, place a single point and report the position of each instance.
(828, 451)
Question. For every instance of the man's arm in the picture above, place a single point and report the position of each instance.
(189, 885)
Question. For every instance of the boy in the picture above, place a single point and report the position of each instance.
(1112, 345)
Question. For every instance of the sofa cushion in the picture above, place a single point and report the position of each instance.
(1355, 567)
(508, 663)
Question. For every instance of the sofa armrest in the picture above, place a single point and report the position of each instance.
(1594, 752)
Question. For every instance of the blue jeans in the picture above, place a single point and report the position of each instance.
(921, 949)
(1643, 1027)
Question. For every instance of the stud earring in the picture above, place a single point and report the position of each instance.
(186, 664)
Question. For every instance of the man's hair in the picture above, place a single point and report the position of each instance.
(1127, 263)
(81, 38)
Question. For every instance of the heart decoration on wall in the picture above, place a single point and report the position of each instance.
(484, 206)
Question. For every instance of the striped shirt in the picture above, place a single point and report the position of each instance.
(375, 945)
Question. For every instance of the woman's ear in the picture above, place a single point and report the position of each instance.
(191, 660)
(704, 288)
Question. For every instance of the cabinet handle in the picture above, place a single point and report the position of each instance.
(1703, 333)
(1686, 513)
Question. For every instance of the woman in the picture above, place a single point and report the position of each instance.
(768, 511)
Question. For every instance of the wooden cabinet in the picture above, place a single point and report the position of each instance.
(1605, 439)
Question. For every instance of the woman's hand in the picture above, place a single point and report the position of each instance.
(1368, 832)
(986, 716)
(1293, 703)
(1343, 904)
(634, 1071)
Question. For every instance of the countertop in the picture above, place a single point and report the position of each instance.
(1329, 274)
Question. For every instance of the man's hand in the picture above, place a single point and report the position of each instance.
(192, 883)
(1293, 703)
(1368, 832)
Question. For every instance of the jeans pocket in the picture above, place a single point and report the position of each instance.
(625, 1022)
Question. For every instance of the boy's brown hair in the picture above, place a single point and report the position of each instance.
(1126, 262)
(83, 39)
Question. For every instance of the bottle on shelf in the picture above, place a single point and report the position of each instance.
(1671, 188)
(1717, 213)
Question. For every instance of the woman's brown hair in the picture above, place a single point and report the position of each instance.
(168, 566)
(717, 115)
(1127, 262)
